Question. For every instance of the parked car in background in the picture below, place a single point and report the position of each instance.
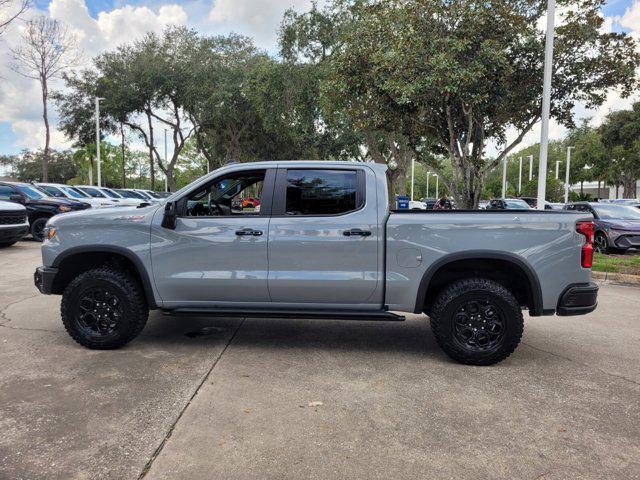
(250, 202)
(429, 202)
(163, 195)
(14, 224)
(617, 227)
(554, 206)
(108, 193)
(483, 204)
(417, 205)
(148, 195)
(40, 207)
(533, 203)
(508, 204)
(63, 191)
(630, 202)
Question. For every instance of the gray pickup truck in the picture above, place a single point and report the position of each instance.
(322, 243)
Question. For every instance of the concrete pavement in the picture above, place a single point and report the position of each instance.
(216, 398)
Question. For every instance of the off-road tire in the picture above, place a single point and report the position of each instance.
(455, 295)
(37, 228)
(130, 295)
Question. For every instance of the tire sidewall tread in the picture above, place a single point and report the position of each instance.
(130, 292)
(441, 321)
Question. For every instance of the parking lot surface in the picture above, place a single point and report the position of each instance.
(273, 399)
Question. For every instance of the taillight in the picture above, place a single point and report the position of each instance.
(586, 229)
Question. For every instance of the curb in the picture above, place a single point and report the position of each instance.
(621, 278)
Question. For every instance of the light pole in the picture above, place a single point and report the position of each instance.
(546, 104)
(428, 175)
(413, 167)
(566, 176)
(557, 169)
(530, 167)
(166, 188)
(437, 183)
(504, 177)
(98, 138)
(520, 177)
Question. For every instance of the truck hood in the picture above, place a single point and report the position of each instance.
(103, 216)
(11, 207)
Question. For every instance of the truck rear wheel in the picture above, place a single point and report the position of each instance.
(104, 308)
(477, 321)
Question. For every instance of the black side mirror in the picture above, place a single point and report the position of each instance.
(16, 197)
(169, 218)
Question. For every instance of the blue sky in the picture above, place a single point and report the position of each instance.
(105, 23)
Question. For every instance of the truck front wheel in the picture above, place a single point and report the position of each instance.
(477, 321)
(104, 308)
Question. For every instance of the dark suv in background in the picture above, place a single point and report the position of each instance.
(617, 227)
(40, 207)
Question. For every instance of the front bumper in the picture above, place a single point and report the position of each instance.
(624, 239)
(578, 299)
(13, 233)
(43, 279)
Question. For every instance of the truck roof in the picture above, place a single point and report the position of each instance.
(307, 164)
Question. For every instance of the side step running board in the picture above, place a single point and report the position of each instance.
(373, 315)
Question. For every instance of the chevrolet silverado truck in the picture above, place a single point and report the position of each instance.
(323, 245)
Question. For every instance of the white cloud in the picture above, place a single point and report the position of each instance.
(631, 17)
(256, 18)
(20, 102)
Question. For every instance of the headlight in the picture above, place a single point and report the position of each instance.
(49, 232)
(64, 208)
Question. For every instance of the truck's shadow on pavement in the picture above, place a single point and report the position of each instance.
(412, 336)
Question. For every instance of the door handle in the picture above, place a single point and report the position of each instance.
(356, 232)
(248, 232)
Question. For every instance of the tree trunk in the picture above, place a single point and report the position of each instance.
(45, 116)
(629, 187)
(581, 187)
(598, 190)
(124, 173)
(171, 180)
(402, 182)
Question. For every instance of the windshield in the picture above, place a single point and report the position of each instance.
(51, 191)
(516, 204)
(616, 212)
(93, 192)
(31, 192)
(130, 194)
(111, 193)
(73, 193)
(143, 194)
(153, 194)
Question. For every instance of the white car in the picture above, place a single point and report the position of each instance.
(149, 195)
(14, 223)
(58, 190)
(417, 205)
(143, 195)
(104, 192)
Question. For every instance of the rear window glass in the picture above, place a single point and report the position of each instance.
(320, 192)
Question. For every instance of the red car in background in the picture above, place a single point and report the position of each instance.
(250, 202)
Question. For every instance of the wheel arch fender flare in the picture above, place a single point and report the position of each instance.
(530, 274)
(143, 273)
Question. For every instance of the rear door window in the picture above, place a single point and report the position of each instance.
(321, 192)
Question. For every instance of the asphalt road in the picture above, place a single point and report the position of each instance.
(199, 398)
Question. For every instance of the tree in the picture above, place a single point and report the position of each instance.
(11, 10)
(451, 76)
(310, 39)
(620, 134)
(47, 49)
(27, 166)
